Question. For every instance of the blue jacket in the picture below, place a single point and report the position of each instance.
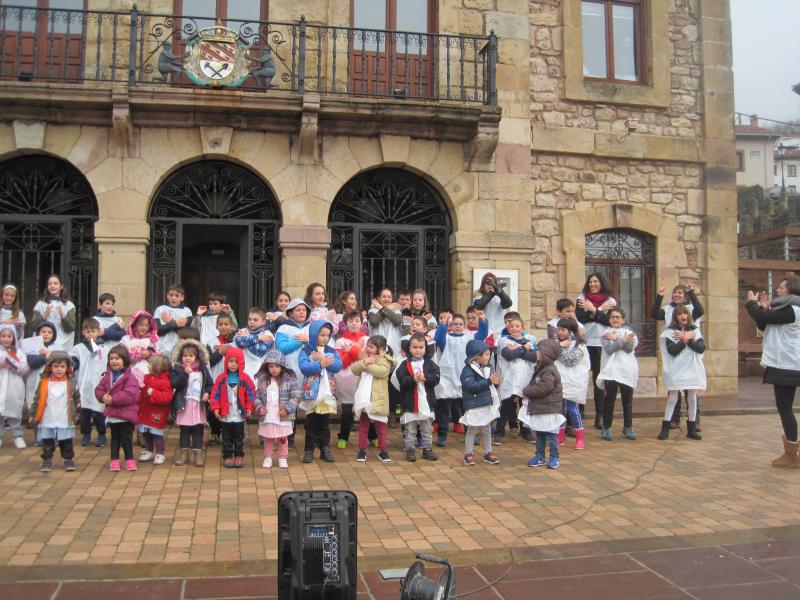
(474, 389)
(252, 342)
(312, 369)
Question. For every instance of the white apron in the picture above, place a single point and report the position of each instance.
(621, 366)
(686, 371)
(514, 374)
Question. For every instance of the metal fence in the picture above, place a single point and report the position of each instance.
(75, 46)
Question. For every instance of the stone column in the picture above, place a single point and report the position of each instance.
(304, 254)
(122, 262)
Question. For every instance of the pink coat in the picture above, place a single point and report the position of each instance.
(124, 395)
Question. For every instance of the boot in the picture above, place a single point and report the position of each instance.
(199, 457)
(691, 431)
(579, 439)
(181, 457)
(562, 434)
(664, 430)
(325, 454)
(790, 457)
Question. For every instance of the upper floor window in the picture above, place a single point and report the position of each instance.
(791, 170)
(612, 40)
(739, 160)
(236, 10)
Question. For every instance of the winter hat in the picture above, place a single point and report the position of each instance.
(275, 357)
(295, 303)
(475, 348)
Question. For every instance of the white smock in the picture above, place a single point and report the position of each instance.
(208, 328)
(494, 313)
(686, 371)
(293, 358)
(620, 366)
(64, 339)
(167, 341)
(362, 400)
(346, 380)
(451, 363)
(389, 330)
(515, 374)
(107, 321)
(424, 410)
(575, 378)
(12, 385)
(92, 364)
(141, 367)
(547, 423)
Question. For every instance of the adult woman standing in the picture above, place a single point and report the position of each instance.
(779, 319)
(591, 310)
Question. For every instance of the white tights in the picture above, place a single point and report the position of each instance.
(672, 399)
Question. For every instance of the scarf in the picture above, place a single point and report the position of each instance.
(116, 375)
(787, 300)
(233, 378)
(595, 299)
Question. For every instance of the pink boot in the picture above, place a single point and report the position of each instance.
(113, 466)
(579, 439)
(562, 433)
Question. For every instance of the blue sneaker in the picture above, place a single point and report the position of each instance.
(441, 441)
(606, 435)
(101, 441)
(85, 440)
(536, 461)
(553, 462)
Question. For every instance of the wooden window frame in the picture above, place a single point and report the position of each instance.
(221, 12)
(391, 15)
(640, 33)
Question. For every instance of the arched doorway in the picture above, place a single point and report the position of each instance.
(47, 217)
(214, 227)
(628, 260)
(389, 228)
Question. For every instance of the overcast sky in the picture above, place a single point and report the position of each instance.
(766, 57)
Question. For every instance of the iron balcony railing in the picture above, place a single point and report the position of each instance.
(75, 46)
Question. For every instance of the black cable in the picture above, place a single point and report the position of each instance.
(574, 519)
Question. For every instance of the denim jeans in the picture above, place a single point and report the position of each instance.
(544, 438)
(573, 413)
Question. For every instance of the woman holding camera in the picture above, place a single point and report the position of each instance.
(493, 301)
(779, 319)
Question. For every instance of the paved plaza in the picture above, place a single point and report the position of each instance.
(621, 501)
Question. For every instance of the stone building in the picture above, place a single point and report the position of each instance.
(509, 135)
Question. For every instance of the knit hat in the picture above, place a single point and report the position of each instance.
(295, 303)
(475, 348)
(275, 357)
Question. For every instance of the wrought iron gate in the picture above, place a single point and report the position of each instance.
(389, 228)
(215, 193)
(47, 217)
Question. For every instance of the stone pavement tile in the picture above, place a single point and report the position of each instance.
(169, 589)
(619, 586)
(28, 591)
(566, 567)
(774, 590)
(765, 550)
(703, 567)
(788, 568)
(231, 587)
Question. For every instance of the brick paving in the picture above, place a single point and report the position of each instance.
(161, 527)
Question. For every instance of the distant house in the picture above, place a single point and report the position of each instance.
(755, 162)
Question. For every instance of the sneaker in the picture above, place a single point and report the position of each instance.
(441, 441)
(146, 456)
(227, 463)
(490, 458)
(374, 443)
(429, 454)
(113, 466)
(85, 440)
(362, 456)
(19, 443)
(498, 440)
(101, 441)
(411, 455)
(384, 457)
(628, 433)
(69, 464)
(469, 459)
(536, 461)
(341, 444)
(283, 463)
(238, 462)
(159, 459)
(267, 464)
(47, 466)
(458, 428)
(308, 457)
(606, 435)
(130, 465)
(553, 462)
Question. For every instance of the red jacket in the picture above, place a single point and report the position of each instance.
(247, 389)
(154, 408)
(352, 355)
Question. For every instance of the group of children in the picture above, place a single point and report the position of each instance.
(394, 364)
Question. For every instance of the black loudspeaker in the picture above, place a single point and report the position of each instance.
(317, 540)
